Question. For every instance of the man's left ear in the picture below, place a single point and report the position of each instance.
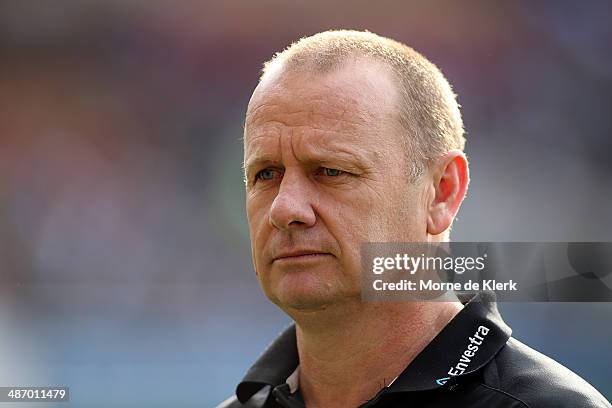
(450, 183)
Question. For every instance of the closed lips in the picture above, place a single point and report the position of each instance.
(300, 253)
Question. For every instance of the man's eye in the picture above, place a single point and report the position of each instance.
(265, 174)
(331, 172)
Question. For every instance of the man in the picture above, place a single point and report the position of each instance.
(353, 138)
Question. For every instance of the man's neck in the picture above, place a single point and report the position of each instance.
(349, 354)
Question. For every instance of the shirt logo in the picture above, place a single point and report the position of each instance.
(442, 381)
(475, 342)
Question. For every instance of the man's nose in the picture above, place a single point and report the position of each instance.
(293, 204)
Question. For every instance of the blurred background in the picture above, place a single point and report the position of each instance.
(125, 267)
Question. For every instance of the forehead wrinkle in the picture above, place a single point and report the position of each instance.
(260, 152)
(346, 116)
(317, 147)
(311, 143)
(326, 108)
(320, 127)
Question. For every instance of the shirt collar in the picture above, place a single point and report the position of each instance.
(465, 345)
(273, 367)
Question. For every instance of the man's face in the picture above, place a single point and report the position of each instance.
(325, 173)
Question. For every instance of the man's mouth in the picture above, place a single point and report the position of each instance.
(301, 256)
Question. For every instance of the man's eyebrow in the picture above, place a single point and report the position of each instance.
(352, 158)
(260, 159)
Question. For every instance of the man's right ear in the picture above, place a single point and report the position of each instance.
(450, 186)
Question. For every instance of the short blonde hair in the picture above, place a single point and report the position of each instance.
(428, 110)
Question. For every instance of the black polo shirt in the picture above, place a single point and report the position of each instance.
(472, 362)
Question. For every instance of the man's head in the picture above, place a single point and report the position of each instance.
(349, 138)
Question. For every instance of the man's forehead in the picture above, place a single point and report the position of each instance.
(323, 113)
(308, 105)
(355, 94)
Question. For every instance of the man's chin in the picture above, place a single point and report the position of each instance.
(304, 302)
(306, 290)
(298, 301)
